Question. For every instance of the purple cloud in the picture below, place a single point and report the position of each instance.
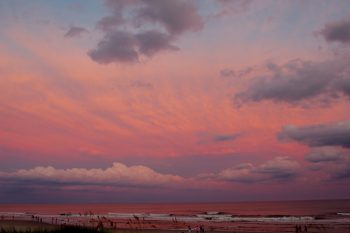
(176, 17)
(75, 31)
(115, 46)
(338, 31)
(139, 28)
(151, 42)
(336, 134)
(299, 81)
(277, 169)
(122, 46)
(227, 137)
(323, 154)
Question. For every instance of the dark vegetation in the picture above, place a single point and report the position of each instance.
(62, 229)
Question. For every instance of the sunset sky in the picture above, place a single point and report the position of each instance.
(174, 100)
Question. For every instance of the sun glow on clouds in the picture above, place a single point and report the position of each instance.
(117, 174)
(263, 98)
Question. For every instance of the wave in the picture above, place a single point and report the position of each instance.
(205, 217)
(213, 217)
(12, 213)
(344, 214)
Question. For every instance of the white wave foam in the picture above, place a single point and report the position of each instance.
(344, 214)
(12, 213)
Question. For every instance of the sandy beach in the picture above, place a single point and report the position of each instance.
(19, 225)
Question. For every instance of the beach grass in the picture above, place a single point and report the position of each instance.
(61, 229)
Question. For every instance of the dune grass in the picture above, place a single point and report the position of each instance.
(62, 229)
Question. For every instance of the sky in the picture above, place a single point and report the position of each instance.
(174, 100)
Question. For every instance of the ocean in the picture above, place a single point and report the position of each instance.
(276, 208)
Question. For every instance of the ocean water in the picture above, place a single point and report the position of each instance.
(317, 208)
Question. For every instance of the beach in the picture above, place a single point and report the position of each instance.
(166, 227)
(251, 217)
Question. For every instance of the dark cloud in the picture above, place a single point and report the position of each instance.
(116, 46)
(332, 163)
(337, 31)
(75, 31)
(277, 169)
(121, 46)
(299, 81)
(227, 137)
(109, 22)
(117, 18)
(176, 16)
(337, 134)
(323, 154)
(232, 73)
(342, 173)
(151, 42)
(206, 137)
(125, 38)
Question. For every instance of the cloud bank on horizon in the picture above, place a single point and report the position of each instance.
(135, 100)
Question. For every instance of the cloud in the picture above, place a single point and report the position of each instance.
(151, 42)
(205, 137)
(116, 175)
(323, 154)
(176, 17)
(335, 134)
(227, 73)
(338, 31)
(277, 169)
(227, 137)
(121, 46)
(75, 31)
(150, 26)
(330, 162)
(116, 46)
(298, 81)
(343, 172)
(239, 73)
(139, 28)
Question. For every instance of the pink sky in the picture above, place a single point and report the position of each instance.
(197, 100)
